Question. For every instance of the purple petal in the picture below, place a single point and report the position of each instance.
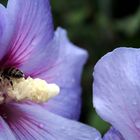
(32, 122)
(5, 131)
(67, 104)
(116, 91)
(42, 60)
(5, 30)
(66, 72)
(113, 134)
(63, 65)
(32, 29)
(69, 64)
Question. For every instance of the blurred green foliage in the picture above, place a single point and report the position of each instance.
(97, 26)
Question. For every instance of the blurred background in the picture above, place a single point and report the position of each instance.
(98, 26)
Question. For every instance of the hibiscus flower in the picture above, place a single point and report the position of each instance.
(116, 91)
(29, 44)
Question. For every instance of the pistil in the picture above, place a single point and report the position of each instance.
(36, 90)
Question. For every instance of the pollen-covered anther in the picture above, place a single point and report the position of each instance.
(36, 90)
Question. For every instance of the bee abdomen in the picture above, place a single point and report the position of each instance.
(13, 72)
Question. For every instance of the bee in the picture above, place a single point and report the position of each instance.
(9, 73)
(12, 72)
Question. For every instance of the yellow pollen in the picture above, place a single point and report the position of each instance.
(36, 90)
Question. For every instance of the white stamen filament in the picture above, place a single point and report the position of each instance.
(36, 90)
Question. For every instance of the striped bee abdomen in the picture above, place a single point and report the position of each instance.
(12, 72)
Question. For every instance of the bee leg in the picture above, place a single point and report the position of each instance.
(10, 80)
(1, 81)
(11, 84)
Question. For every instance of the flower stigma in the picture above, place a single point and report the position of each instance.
(36, 90)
